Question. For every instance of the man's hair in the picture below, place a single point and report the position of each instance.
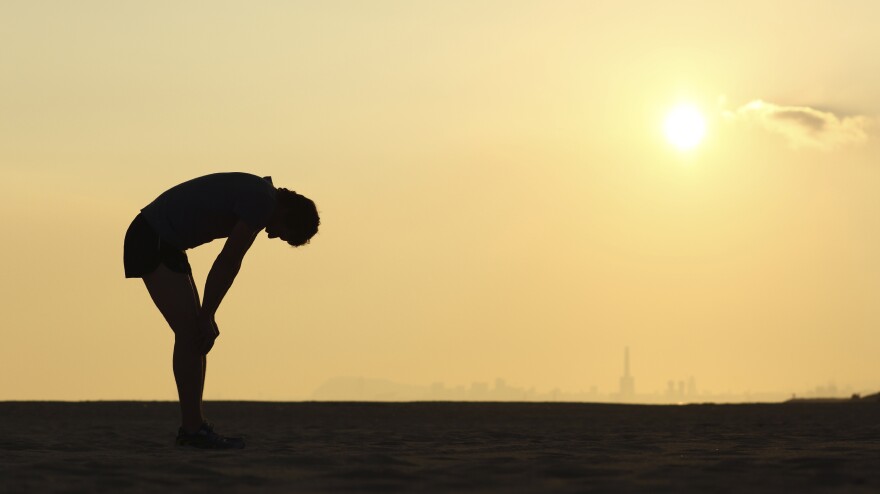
(302, 216)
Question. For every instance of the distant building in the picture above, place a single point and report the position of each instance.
(627, 383)
(479, 390)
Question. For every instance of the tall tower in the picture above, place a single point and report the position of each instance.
(627, 383)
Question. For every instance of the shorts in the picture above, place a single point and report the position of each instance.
(144, 251)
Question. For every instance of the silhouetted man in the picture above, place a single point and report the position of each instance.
(235, 206)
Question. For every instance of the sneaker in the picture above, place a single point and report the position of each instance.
(206, 438)
(210, 427)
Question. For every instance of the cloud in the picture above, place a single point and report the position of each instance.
(804, 126)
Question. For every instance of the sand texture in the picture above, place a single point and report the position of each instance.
(444, 447)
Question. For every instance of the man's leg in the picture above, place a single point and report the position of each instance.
(173, 293)
(202, 392)
(195, 292)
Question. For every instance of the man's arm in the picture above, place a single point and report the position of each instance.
(226, 267)
(220, 278)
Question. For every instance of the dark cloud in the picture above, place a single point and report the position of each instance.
(808, 121)
(804, 126)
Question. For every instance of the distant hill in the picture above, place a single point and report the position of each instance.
(871, 397)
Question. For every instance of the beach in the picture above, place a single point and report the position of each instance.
(444, 447)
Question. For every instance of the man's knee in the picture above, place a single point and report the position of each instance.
(186, 336)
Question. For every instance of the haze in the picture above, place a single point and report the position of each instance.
(497, 195)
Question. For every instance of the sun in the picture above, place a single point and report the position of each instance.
(685, 127)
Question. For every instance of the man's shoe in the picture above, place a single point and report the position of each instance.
(210, 427)
(206, 438)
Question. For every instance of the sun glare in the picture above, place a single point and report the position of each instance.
(685, 127)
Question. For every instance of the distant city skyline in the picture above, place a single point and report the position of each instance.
(677, 391)
(378, 389)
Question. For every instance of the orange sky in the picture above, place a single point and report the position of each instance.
(497, 196)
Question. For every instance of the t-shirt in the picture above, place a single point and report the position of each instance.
(207, 208)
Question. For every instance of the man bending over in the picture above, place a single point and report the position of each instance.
(235, 206)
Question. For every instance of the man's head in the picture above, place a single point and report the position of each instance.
(295, 220)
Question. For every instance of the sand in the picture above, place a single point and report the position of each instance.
(445, 447)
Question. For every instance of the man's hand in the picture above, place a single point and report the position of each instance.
(208, 332)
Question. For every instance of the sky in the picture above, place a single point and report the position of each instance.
(498, 198)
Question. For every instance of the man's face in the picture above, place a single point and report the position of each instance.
(278, 230)
(276, 227)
